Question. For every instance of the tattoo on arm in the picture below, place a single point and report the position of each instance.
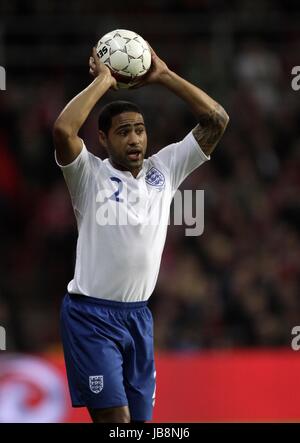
(210, 129)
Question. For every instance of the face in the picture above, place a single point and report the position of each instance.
(126, 142)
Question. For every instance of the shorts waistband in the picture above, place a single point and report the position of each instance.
(108, 303)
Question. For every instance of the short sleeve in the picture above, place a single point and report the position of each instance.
(181, 158)
(77, 176)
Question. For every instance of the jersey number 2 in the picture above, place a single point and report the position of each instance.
(115, 195)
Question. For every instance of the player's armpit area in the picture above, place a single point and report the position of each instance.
(210, 129)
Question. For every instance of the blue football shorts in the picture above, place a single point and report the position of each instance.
(108, 349)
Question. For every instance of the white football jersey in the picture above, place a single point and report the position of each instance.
(122, 221)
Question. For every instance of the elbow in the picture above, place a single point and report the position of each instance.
(61, 131)
(223, 118)
(227, 118)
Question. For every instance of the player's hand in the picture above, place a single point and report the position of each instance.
(156, 72)
(98, 68)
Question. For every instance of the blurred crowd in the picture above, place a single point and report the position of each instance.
(238, 283)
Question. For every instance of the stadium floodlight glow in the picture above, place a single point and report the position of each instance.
(2, 79)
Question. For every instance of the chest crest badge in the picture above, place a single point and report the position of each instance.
(155, 178)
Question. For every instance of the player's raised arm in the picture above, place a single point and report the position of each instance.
(65, 131)
(212, 118)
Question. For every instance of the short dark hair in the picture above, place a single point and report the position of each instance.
(111, 110)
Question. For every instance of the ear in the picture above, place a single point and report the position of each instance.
(103, 139)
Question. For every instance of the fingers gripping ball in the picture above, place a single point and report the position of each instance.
(127, 55)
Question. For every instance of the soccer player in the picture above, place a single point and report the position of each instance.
(106, 326)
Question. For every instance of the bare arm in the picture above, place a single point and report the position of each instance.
(212, 118)
(65, 131)
(210, 128)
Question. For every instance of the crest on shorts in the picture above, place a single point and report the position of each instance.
(96, 383)
(155, 178)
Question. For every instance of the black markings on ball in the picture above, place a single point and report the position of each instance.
(103, 51)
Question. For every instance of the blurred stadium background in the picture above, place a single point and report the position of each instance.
(225, 302)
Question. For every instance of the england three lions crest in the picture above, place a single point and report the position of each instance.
(96, 383)
(155, 178)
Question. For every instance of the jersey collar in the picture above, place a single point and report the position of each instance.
(125, 173)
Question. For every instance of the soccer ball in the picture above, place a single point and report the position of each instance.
(126, 54)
